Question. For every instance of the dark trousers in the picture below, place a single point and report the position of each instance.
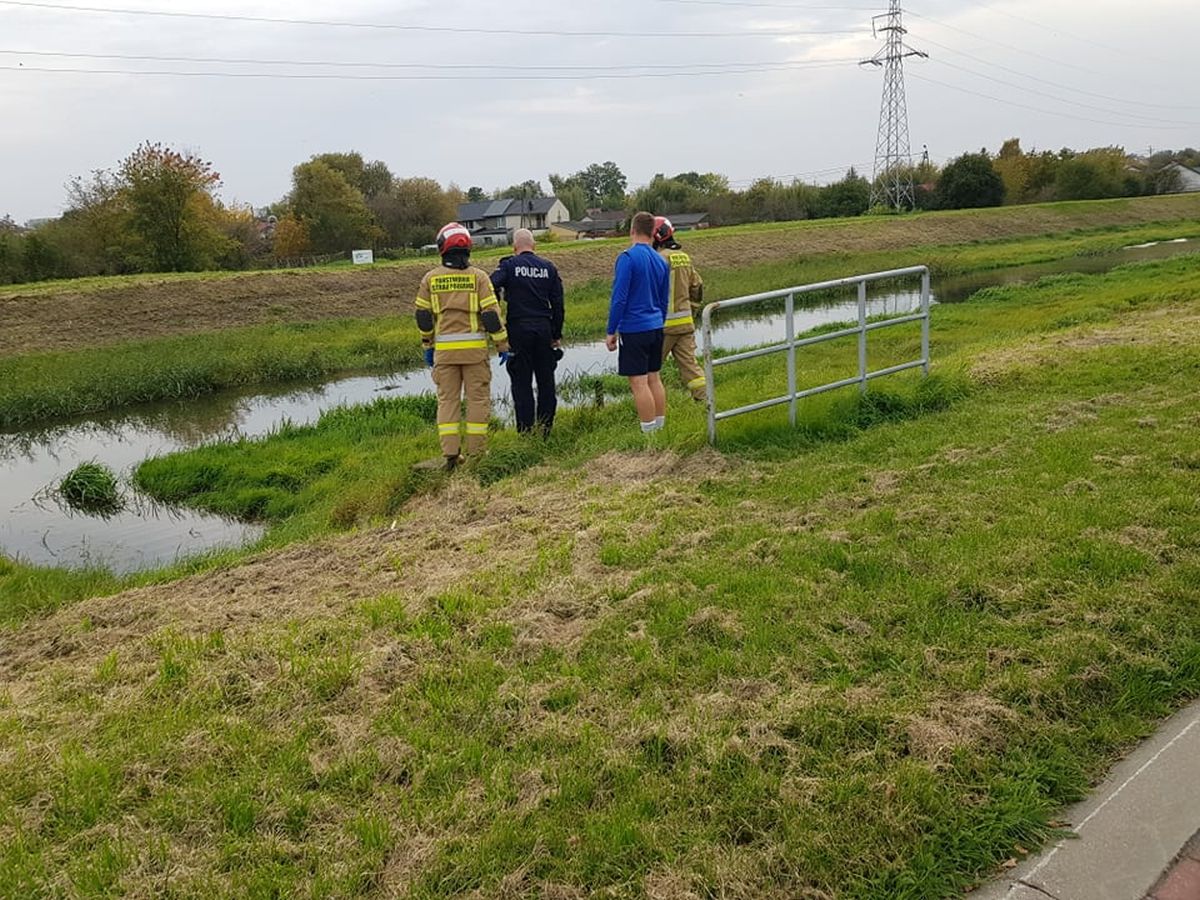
(534, 358)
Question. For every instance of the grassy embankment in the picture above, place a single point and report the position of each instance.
(45, 385)
(869, 658)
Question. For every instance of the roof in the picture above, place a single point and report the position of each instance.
(469, 212)
(606, 215)
(586, 227)
(494, 209)
(687, 219)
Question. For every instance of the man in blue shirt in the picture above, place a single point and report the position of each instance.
(638, 309)
(534, 294)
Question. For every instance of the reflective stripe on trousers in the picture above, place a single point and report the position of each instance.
(474, 341)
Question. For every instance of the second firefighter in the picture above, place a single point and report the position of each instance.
(457, 314)
(687, 295)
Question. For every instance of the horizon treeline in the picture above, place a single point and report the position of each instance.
(158, 210)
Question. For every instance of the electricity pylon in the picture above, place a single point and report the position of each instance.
(892, 184)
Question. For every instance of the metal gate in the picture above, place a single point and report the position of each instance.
(791, 344)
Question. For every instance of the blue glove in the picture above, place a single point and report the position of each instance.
(429, 357)
(505, 356)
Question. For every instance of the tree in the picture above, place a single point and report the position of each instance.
(291, 238)
(969, 182)
(574, 198)
(1095, 174)
(165, 190)
(476, 195)
(526, 190)
(96, 226)
(603, 185)
(377, 179)
(1012, 165)
(331, 208)
(849, 197)
(413, 210)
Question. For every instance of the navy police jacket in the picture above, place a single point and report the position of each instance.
(533, 289)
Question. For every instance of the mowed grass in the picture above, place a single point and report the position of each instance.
(868, 658)
(43, 386)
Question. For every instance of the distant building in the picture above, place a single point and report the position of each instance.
(492, 222)
(584, 231)
(689, 221)
(1189, 179)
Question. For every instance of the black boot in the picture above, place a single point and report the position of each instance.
(452, 462)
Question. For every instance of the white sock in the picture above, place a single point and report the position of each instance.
(659, 422)
(648, 427)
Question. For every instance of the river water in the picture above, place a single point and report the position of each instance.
(37, 528)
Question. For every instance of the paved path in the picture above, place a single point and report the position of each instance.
(1135, 827)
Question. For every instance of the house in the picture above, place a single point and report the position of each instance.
(490, 220)
(1189, 179)
(689, 221)
(614, 219)
(584, 230)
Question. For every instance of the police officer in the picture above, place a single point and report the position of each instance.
(457, 311)
(534, 294)
(687, 295)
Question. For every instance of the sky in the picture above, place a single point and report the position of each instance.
(491, 94)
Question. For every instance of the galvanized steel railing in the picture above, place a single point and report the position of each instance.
(790, 344)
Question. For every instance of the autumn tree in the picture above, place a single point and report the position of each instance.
(291, 238)
(167, 193)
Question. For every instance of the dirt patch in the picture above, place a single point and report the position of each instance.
(438, 543)
(949, 725)
(68, 319)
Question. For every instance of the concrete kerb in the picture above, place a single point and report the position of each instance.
(1127, 832)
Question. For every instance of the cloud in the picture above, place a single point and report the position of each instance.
(494, 132)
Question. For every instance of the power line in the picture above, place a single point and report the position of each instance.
(1150, 120)
(315, 76)
(451, 29)
(1055, 60)
(790, 6)
(1048, 112)
(1061, 32)
(504, 67)
(1056, 84)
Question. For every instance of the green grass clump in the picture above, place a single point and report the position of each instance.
(92, 488)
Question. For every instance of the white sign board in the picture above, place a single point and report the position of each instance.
(363, 257)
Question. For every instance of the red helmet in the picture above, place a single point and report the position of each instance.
(453, 237)
(663, 229)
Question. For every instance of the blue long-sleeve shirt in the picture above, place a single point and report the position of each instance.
(641, 291)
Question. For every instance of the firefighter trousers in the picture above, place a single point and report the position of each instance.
(683, 348)
(475, 380)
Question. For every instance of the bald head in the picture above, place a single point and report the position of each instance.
(522, 240)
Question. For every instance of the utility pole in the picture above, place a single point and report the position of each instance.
(892, 184)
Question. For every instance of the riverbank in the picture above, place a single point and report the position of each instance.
(869, 661)
(42, 386)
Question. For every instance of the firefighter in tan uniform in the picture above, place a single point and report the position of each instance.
(457, 313)
(687, 295)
